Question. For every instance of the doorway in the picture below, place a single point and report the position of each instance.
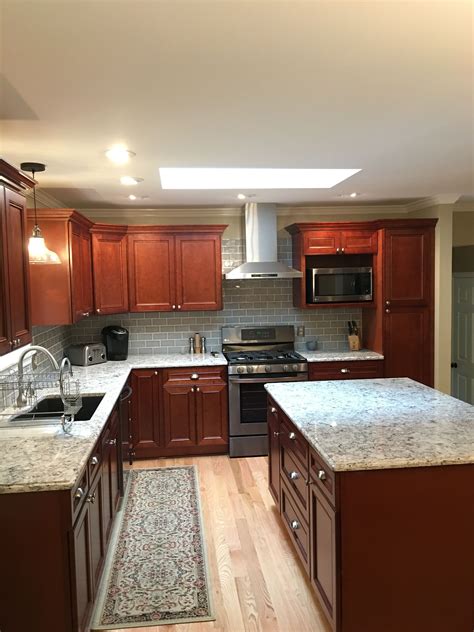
(462, 346)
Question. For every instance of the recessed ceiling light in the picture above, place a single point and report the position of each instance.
(241, 196)
(218, 178)
(130, 181)
(349, 195)
(137, 197)
(119, 154)
(132, 197)
(353, 195)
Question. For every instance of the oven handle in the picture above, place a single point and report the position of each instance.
(255, 380)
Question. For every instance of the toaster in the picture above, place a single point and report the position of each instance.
(86, 354)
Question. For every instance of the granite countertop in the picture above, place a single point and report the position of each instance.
(379, 424)
(340, 356)
(43, 458)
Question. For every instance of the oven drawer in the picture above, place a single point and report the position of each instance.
(296, 525)
(297, 479)
(292, 440)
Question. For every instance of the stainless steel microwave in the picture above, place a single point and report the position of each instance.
(339, 285)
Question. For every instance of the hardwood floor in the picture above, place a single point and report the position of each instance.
(257, 583)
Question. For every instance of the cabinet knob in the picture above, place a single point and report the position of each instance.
(345, 370)
(294, 475)
(174, 306)
(91, 498)
(155, 372)
(79, 493)
(294, 524)
(85, 314)
(342, 250)
(98, 310)
(94, 460)
(112, 441)
(194, 376)
(387, 303)
(179, 306)
(276, 434)
(273, 410)
(12, 343)
(292, 436)
(338, 250)
(387, 311)
(321, 475)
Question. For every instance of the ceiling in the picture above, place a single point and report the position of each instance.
(386, 87)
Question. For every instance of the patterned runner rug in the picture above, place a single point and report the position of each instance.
(156, 571)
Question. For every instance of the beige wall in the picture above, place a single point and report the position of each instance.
(463, 228)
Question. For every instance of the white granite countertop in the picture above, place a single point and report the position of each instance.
(379, 424)
(44, 458)
(340, 356)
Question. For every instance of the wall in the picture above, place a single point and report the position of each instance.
(463, 241)
(245, 303)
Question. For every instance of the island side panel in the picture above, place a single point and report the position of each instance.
(407, 549)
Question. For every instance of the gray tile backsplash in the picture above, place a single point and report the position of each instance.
(245, 303)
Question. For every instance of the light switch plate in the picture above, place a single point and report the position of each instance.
(300, 330)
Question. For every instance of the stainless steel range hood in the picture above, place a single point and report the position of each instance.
(261, 247)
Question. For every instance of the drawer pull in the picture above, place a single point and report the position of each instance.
(292, 436)
(294, 524)
(321, 475)
(345, 370)
(94, 460)
(276, 434)
(91, 498)
(194, 376)
(79, 493)
(273, 410)
(294, 475)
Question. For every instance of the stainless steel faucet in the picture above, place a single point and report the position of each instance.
(65, 367)
(21, 399)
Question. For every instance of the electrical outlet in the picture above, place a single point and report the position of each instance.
(300, 330)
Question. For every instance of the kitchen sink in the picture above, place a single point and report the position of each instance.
(48, 411)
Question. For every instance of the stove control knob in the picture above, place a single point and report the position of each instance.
(250, 369)
(268, 369)
(240, 369)
(294, 367)
(286, 367)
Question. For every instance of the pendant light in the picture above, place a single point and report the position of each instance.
(39, 254)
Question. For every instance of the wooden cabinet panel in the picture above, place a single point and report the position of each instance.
(322, 242)
(296, 479)
(109, 252)
(81, 268)
(358, 242)
(292, 440)
(273, 452)
(83, 590)
(179, 415)
(295, 525)
(152, 283)
(198, 272)
(408, 266)
(111, 477)
(145, 418)
(211, 414)
(323, 551)
(5, 337)
(353, 370)
(408, 346)
(97, 539)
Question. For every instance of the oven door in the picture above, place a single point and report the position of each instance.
(248, 402)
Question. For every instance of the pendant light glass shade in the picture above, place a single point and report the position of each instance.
(38, 253)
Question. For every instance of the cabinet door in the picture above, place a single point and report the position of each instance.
(323, 551)
(18, 268)
(212, 424)
(151, 274)
(107, 507)
(96, 525)
(408, 267)
(408, 344)
(109, 251)
(179, 414)
(274, 453)
(322, 242)
(5, 338)
(83, 590)
(86, 272)
(354, 370)
(198, 272)
(81, 272)
(145, 413)
(356, 242)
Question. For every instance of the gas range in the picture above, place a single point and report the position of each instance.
(265, 361)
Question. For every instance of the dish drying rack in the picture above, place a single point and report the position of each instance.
(30, 383)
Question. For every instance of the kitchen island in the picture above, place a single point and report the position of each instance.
(374, 480)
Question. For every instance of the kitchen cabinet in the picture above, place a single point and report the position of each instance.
(15, 320)
(352, 370)
(62, 294)
(273, 453)
(64, 537)
(163, 272)
(110, 269)
(179, 411)
(340, 241)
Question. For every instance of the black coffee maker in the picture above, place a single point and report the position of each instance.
(115, 339)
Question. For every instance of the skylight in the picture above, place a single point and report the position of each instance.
(230, 178)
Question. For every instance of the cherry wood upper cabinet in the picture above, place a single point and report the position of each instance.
(110, 270)
(15, 321)
(173, 268)
(318, 239)
(62, 294)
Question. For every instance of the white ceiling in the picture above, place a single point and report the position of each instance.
(382, 86)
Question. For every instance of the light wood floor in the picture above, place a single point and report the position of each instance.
(257, 583)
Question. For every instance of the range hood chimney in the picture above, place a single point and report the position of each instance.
(261, 247)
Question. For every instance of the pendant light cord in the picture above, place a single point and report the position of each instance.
(34, 198)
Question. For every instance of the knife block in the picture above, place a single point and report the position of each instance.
(354, 342)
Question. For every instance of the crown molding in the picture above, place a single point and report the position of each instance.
(341, 209)
(44, 200)
(157, 212)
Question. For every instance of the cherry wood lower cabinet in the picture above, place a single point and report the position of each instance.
(57, 545)
(179, 411)
(385, 549)
(352, 370)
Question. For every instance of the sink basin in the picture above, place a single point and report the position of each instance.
(48, 411)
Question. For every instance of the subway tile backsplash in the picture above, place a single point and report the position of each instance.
(246, 302)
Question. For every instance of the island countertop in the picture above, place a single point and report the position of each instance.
(379, 424)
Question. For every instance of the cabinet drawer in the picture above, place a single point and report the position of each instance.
(296, 478)
(193, 374)
(95, 461)
(79, 494)
(352, 370)
(295, 524)
(322, 476)
(292, 440)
